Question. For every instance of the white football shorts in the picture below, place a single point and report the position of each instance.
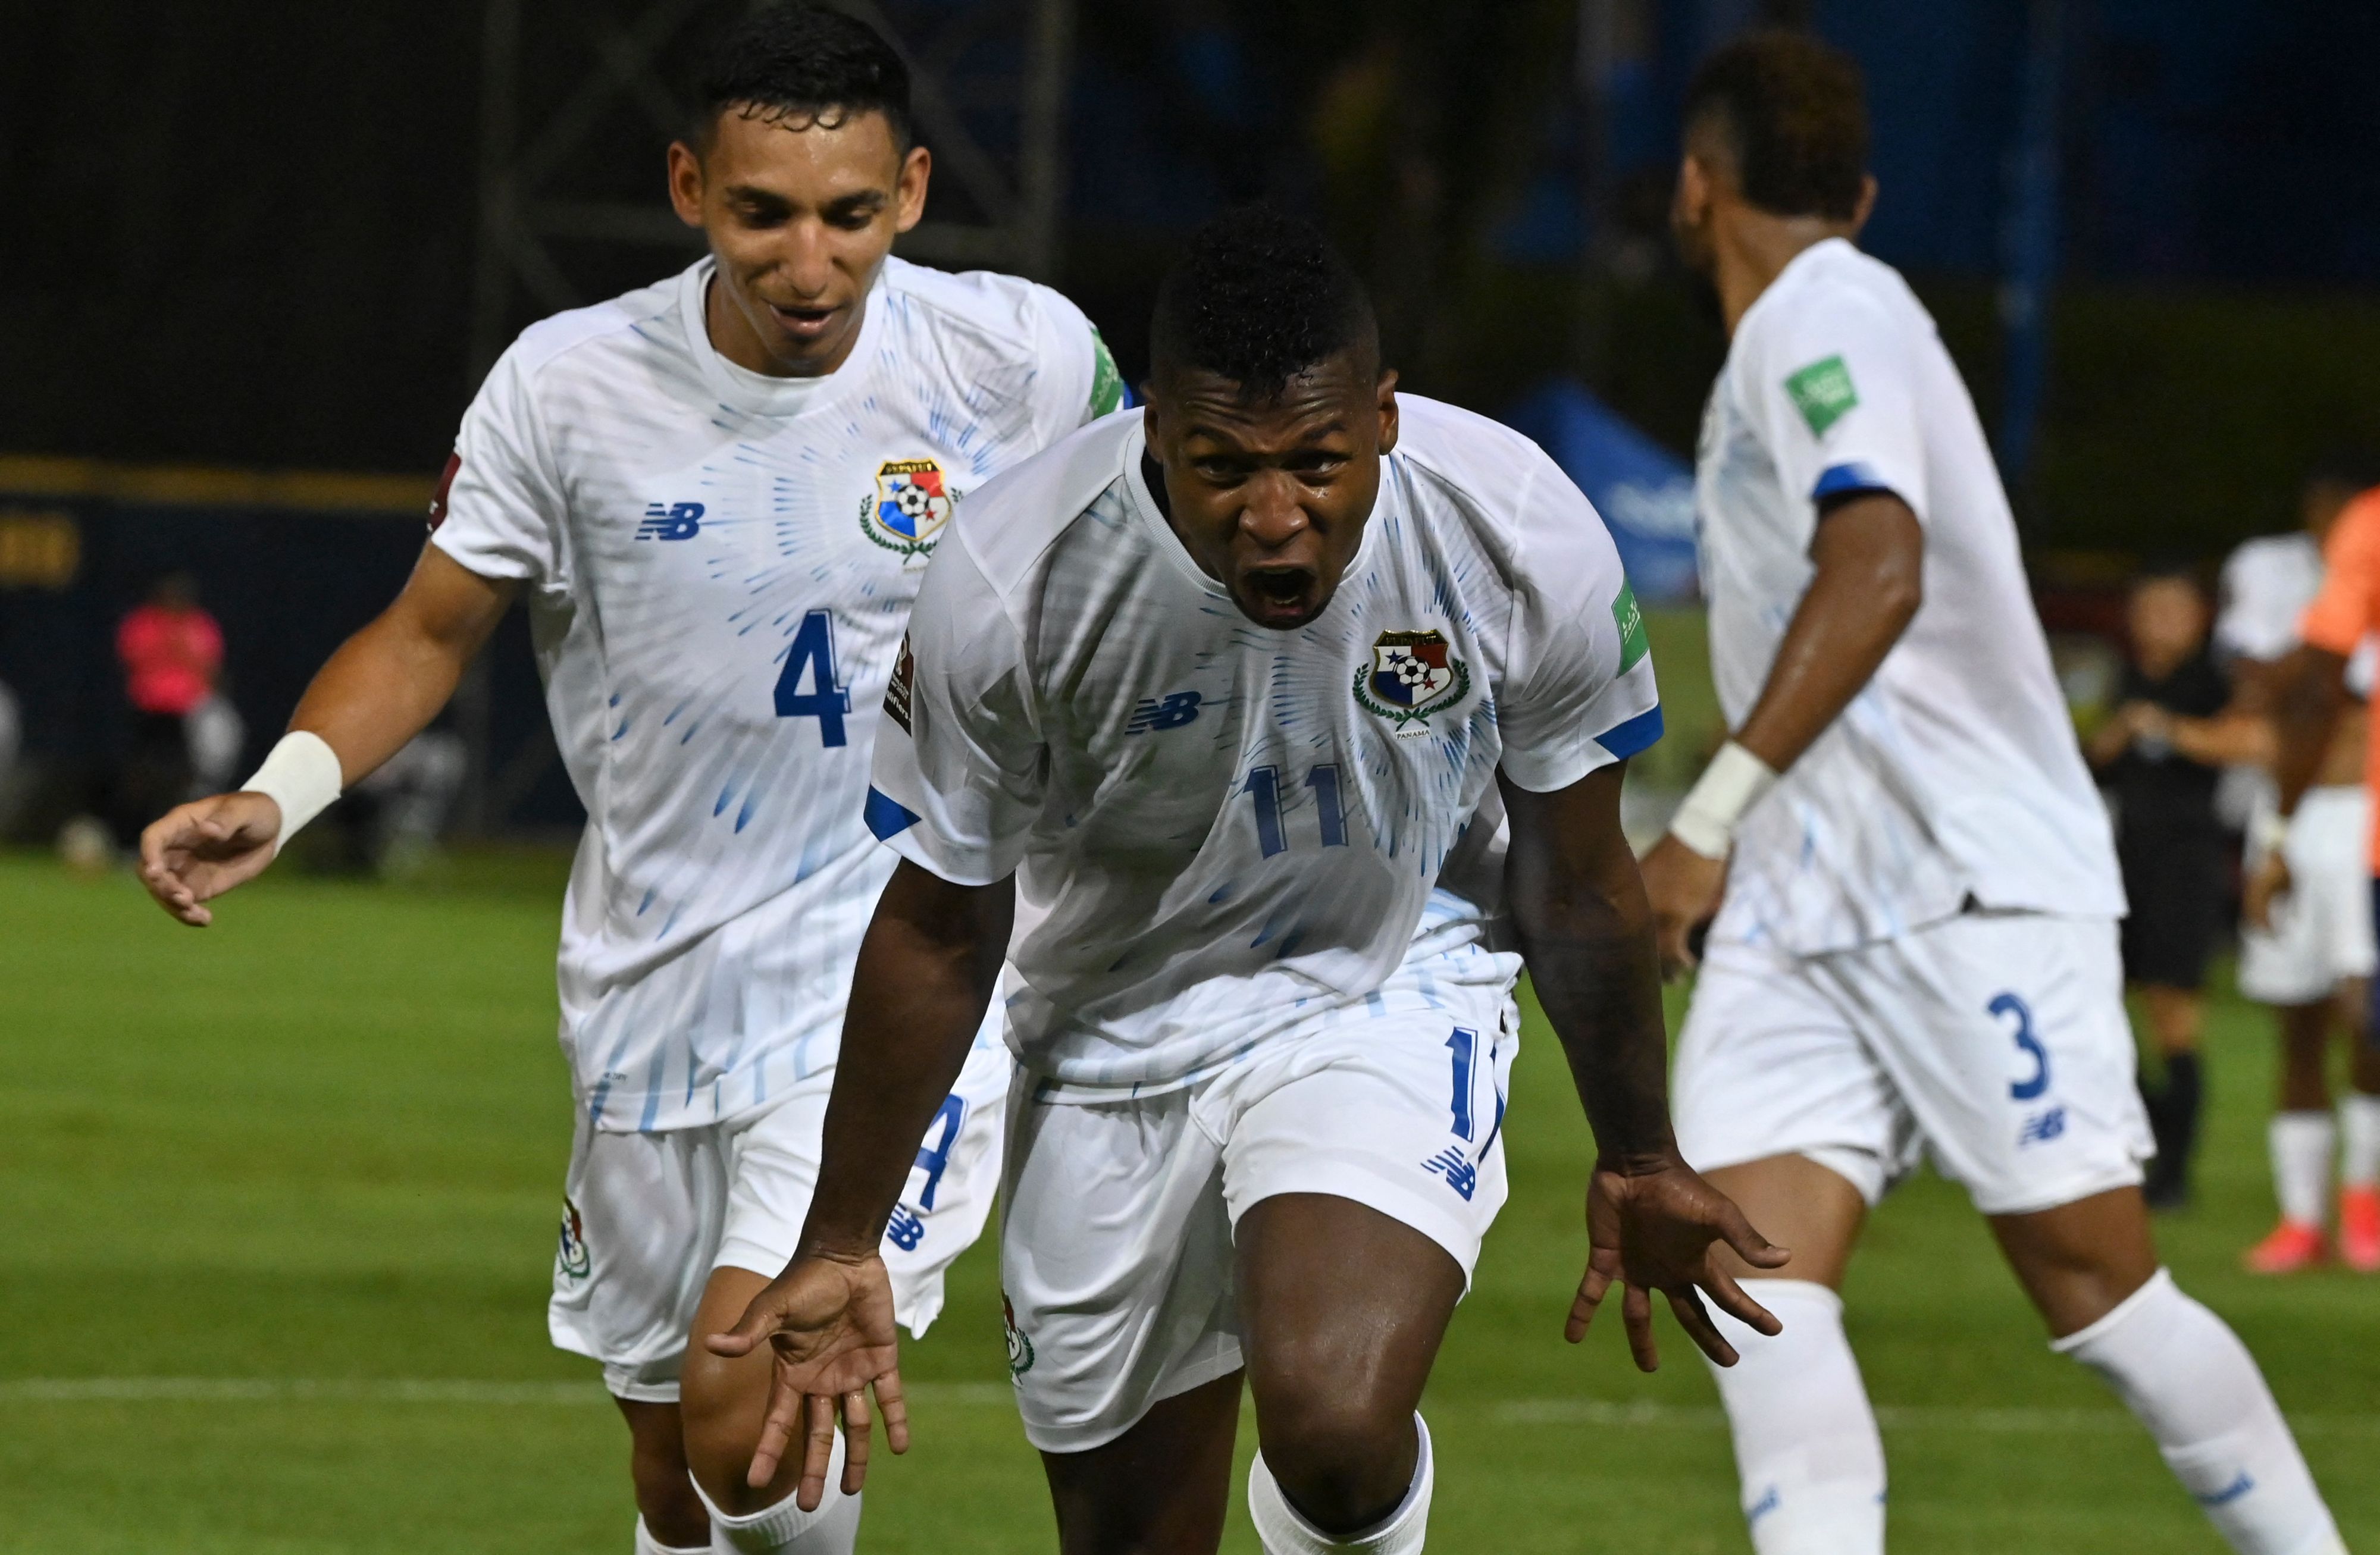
(1998, 1042)
(2322, 930)
(647, 1217)
(1116, 1241)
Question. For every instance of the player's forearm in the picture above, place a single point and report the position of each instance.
(2310, 692)
(2225, 741)
(1870, 555)
(927, 968)
(1586, 933)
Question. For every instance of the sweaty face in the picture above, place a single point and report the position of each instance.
(799, 214)
(1271, 498)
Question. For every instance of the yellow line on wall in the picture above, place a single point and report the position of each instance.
(311, 491)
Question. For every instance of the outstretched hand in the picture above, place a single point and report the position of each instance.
(830, 1324)
(2267, 884)
(200, 850)
(1661, 1229)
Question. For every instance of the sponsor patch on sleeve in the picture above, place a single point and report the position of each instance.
(1107, 383)
(902, 687)
(1823, 394)
(445, 485)
(1633, 644)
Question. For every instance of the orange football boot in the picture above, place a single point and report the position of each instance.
(2293, 1246)
(2358, 1229)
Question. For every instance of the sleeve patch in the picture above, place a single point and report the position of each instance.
(446, 485)
(1108, 391)
(1633, 645)
(1638, 734)
(887, 817)
(1822, 392)
(1838, 480)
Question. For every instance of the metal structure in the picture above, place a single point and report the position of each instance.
(580, 97)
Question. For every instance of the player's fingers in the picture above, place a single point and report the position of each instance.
(1748, 1244)
(1692, 1316)
(751, 1330)
(856, 1440)
(1732, 1299)
(776, 1432)
(1584, 1306)
(1636, 1314)
(892, 1405)
(817, 1452)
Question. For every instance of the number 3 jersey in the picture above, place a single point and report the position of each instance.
(1221, 830)
(718, 567)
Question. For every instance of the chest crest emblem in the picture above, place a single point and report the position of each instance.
(907, 509)
(1411, 676)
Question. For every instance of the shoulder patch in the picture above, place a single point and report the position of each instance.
(1107, 383)
(1823, 394)
(1633, 644)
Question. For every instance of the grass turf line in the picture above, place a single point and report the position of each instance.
(323, 1140)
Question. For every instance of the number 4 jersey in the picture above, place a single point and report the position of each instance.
(1220, 830)
(718, 566)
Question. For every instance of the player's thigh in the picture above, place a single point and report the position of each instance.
(640, 1221)
(1162, 1487)
(2079, 1260)
(1115, 1263)
(1798, 1204)
(1770, 1065)
(2006, 1035)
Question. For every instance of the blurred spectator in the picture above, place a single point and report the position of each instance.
(172, 652)
(2169, 843)
(12, 738)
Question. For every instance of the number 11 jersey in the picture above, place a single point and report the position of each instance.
(1220, 830)
(718, 567)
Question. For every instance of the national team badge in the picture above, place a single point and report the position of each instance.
(1020, 1349)
(909, 506)
(1411, 676)
(573, 1260)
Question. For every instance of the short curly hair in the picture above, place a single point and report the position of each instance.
(1258, 297)
(805, 62)
(1792, 115)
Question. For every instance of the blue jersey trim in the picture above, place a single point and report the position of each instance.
(1638, 734)
(1839, 480)
(885, 817)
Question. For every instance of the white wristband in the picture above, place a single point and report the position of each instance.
(1731, 784)
(2267, 833)
(302, 776)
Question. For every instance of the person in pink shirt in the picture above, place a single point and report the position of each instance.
(172, 651)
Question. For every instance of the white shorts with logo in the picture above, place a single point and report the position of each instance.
(2322, 930)
(1995, 1042)
(1116, 1241)
(647, 1217)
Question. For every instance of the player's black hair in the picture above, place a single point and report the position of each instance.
(2170, 568)
(803, 61)
(1258, 297)
(1792, 114)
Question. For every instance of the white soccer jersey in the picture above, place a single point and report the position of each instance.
(718, 567)
(1954, 774)
(1220, 830)
(2268, 583)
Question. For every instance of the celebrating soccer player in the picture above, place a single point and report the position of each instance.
(717, 495)
(1917, 949)
(1226, 707)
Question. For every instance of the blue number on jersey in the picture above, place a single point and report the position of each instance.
(813, 647)
(1264, 783)
(1466, 1048)
(2024, 1089)
(936, 1158)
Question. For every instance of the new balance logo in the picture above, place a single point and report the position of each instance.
(2042, 1127)
(1460, 1174)
(678, 520)
(904, 1229)
(1169, 712)
(2230, 1492)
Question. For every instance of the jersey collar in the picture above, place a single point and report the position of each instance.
(758, 394)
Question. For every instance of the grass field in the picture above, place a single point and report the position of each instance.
(277, 1203)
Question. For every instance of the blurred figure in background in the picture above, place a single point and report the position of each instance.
(2153, 757)
(2310, 953)
(172, 651)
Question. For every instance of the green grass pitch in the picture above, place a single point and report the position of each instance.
(279, 1199)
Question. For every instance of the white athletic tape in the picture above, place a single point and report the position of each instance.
(1734, 782)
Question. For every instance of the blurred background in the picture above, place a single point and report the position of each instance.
(260, 254)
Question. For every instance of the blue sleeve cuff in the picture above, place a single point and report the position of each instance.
(1840, 480)
(1638, 734)
(886, 818)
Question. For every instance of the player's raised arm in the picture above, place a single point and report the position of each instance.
(1586, 934)
(380, 689)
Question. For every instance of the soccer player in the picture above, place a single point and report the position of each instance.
(717, 496)
(1917, 949)
(2308, 697)
(1219, 702)
(2309, 954)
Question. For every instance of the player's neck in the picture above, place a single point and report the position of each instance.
(1751, 248)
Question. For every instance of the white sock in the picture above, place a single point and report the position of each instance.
(2301, 1143)
(833, 1529)
(1282, 1531)
(2358, 1134)
(648, 1544)
(1806, 1447)
(2192, 1383)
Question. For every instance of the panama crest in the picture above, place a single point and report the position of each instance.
(1411, 676)
(572, 1257)
(908, 508)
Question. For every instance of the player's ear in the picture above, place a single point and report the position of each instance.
(909, 190)
(1386, 395)
(685, 182)
(1866, 202)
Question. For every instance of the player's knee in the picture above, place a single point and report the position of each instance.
(723, 1430)
(666, 1498)
(1343, 1454)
